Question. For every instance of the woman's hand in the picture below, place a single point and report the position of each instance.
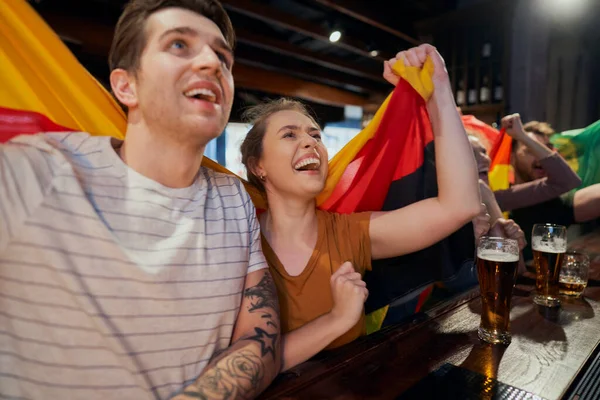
(349, 295)
(415, 57)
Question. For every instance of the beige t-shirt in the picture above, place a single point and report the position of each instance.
(113, 286)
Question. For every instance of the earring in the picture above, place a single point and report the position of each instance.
(262, 178)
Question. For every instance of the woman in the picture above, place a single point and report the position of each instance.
(317, 258)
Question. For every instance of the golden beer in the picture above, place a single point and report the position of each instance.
(571, 286)
(574, 274)
(497, 272)
(547, 268)
(549, 244)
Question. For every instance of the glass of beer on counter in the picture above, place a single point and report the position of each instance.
(574, 274)
(497, 262)
(549, 244)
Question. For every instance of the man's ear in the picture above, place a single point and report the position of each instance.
(123, 85)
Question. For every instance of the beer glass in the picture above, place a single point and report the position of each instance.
(497, 262)
(574, 274)
(549, 244)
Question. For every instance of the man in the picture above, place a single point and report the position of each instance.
(127, 270)
(543, 190)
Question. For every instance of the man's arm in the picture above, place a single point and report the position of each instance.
(247, 367)
(586, 203)
(560, 177)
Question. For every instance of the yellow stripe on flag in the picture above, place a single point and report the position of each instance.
(39, 73)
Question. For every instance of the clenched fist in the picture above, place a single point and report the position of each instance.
(349, 295)
(513, 125)
(415, 57)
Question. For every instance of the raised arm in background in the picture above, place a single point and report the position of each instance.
(534, 159)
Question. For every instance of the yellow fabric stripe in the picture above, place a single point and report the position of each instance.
(420, 80)
(498, 177)
(40, 74)
(374, 320)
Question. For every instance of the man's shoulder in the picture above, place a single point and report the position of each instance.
(55, 142)
(47, 153)
(223, 180)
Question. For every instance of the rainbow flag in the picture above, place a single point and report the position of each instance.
(581, 149)
(386, 166)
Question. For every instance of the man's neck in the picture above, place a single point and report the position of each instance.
(160, 158)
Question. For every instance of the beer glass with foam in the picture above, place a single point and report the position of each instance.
(549, 244)
(497, 262)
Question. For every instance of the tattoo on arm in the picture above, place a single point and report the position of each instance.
(236, 376)
(266, 340)
(241, 373)
(262, 297)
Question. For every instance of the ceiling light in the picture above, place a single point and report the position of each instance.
(374, 53)
(335, 36)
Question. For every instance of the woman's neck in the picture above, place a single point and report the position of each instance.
(290, 221)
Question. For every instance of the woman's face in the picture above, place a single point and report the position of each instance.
(294, 159)
(481, 157)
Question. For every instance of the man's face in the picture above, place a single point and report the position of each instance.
(184, 85)
(526, 166)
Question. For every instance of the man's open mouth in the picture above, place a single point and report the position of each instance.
(202, 94)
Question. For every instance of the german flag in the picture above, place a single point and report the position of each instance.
(388, 165)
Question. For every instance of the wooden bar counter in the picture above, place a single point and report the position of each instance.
(549, 347)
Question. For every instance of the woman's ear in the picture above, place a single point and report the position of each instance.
(256, 168)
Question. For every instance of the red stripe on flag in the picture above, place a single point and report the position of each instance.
(396, 150)
(423, 297)
(19, 122)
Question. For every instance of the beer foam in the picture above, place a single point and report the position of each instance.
(497, 255)
(556, 246)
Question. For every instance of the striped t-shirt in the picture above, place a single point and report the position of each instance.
(112, 285)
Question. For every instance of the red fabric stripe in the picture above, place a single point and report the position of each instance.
(18, 122)
(396, 150)
(423, 297)
(492, 134)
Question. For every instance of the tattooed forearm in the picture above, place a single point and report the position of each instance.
(237, 376)
(245, 368)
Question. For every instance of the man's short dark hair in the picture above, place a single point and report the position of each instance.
(130, 33)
